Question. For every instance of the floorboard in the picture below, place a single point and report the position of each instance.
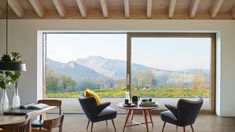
(204, 123)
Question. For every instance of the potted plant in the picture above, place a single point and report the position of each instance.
(10, 79)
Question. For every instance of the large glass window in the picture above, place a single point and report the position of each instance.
(164, 67)
(77, 61)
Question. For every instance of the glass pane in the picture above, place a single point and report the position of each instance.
(171, 68)
(76, 62)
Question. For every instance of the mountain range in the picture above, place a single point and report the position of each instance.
(95, 67)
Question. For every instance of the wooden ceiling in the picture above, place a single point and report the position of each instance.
(119, 9)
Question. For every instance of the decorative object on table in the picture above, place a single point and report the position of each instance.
(129, 105)
(8, 64)
(126, 101)
(4, 103)
(147, 100)
(128, 97)
(14, 76)
(148, 104)
(135, 99)
(184, 114)
(33, 106)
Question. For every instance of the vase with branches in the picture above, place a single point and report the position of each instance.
(9, 79)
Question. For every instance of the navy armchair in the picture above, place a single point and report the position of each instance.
(184, 114)
(96, 113)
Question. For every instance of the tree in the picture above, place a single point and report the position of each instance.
(87, 83)
(100, 81)
(120, 83)
(144, 79)
(109, 83)
(199, 79)
(149, 78)
(52, 81)
(67, 82)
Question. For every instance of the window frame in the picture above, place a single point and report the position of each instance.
(128, 55)
(178, 35)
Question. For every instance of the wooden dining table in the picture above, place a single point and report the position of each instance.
(10, 119)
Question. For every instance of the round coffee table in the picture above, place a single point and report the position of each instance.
(130, 112)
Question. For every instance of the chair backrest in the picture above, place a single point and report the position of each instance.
(16, 127)
(188, 110)
(52, 102)
(54, 123)
(89, 106)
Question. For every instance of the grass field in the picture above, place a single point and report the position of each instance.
(154, 92)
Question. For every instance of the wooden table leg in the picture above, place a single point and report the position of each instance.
(132, 115)
(150, 116)
(146, 119)
(127, 117)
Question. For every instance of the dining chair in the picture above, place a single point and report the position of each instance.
(184, 114)
(49, 124)
(97, 112)
(50, 102)
(16, 127)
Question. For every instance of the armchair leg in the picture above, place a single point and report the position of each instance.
(88, 123)
(184, 128)
(114, 126)
(176, 127)
(106, 123)
(192, 128)
(91, 126)
(163, 126)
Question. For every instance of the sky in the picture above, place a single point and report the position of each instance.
(162, 53)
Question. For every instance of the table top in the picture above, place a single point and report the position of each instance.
(135, 107)
(9, 119)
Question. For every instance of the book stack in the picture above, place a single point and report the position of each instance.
(34, 106)
(25, 109)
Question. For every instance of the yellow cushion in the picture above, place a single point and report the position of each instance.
(90, 93)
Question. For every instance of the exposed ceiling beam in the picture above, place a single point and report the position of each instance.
(172, 8)
(37, 7)
(59, 7)
(104, 7)
(215, 9)
(16, 7)
(149, 8)
(194, 7)
(127, 8)
(82, 7)
(1, 12)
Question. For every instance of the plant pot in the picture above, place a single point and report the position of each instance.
(4, 103)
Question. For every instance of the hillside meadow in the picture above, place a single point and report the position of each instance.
(154, 92)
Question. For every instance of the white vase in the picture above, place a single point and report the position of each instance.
(16, 99)
(4, 104)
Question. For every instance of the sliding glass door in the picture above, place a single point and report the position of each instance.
(166, 67)
(161, 66)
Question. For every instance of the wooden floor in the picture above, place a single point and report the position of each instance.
(204, 123)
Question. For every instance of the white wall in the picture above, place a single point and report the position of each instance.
(23, 39)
